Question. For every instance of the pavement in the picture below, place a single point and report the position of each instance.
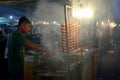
(110, 66)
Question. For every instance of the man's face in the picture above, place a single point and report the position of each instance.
(26, 28)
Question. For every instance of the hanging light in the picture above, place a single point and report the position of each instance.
(11, 17)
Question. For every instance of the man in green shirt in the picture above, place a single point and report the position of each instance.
(16, 43)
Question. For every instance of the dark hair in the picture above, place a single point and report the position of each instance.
(23, 20)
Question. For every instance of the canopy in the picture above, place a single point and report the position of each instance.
(5, 11)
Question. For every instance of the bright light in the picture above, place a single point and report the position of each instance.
(102, 23)
(88, 13)
(54, 22)
(45, 23)
(84, 12)
(112, 24)
(11, 17)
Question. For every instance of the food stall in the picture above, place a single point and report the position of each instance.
(75, 49)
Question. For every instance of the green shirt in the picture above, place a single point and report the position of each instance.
(16, 51)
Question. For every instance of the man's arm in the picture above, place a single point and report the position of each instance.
(33, 46)
(37, 47)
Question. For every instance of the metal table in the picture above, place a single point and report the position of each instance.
(71, 72)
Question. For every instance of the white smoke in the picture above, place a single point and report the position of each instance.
(49, 12)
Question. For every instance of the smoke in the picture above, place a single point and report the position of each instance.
(52, 10)
(49, 12)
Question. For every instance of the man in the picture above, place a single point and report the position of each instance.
(116, 38)
(16, 43)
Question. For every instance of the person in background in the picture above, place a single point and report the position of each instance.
(116, 37)
(3, 61)
(16, 43)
